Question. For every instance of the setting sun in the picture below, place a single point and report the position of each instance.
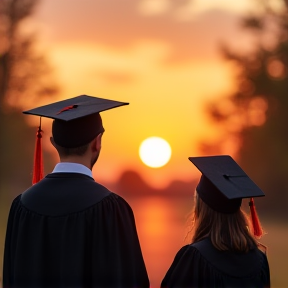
(155, 152)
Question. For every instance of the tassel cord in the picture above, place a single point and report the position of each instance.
(38, 170)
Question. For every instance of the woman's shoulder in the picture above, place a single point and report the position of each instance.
(194, 249)
(202, 244)
(201, 264)
(233, 263)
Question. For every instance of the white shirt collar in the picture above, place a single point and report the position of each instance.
(68, 167)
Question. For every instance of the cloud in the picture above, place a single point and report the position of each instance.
(186, 10)
(118, 24)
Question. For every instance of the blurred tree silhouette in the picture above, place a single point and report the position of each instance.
(256, 115)
(23, 71)
(24, 78)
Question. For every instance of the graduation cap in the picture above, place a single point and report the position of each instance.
(76, 122)
(224, 184)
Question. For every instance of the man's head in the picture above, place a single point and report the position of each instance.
(77, 127)
(79, 138)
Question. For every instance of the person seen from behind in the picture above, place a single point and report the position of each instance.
(67, 230)
(223, 253)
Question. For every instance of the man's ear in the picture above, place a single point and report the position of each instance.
(97, 142)
(52, 141)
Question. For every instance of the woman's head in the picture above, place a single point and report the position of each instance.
(222, 187)
(226, 231)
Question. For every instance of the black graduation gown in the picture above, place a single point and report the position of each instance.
(69, 231)
(202, 265)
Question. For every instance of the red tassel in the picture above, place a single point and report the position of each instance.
(38, 159)
(258, 231)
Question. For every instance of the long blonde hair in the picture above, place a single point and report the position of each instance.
(226, 231)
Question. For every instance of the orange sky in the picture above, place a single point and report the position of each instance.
(160, 56)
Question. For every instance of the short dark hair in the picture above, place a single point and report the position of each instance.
(64, 152)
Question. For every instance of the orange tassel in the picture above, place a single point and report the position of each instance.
(38, 169)
(258, 231)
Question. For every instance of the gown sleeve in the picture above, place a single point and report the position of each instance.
(7, 261)
(122, 248)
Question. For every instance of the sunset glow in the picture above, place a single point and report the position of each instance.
(168, 60)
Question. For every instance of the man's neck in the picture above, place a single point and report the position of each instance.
(77, 160)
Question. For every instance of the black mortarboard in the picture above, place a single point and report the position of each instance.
(223, 183)
(76, 122)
